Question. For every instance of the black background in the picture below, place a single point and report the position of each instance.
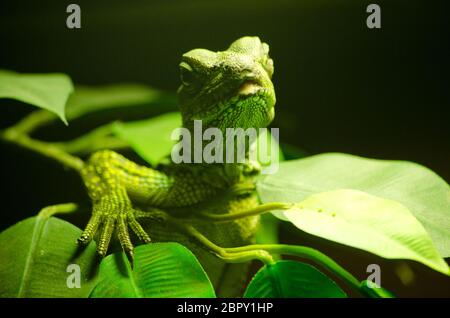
(340, 86)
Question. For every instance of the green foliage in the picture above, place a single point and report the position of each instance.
(160, 270)
(48, 91)
(292, 279)
(35, 254)
(380, 226)
(141, 136)
(86, 100)
(420, 190)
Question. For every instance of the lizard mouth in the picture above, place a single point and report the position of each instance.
(249, 88)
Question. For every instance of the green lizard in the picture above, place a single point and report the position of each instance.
(225, 89)
(211, 208)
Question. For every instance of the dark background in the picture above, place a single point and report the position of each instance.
(340, 86)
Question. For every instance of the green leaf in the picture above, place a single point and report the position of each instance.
(423, 192)
(35, 254)
(380, 226)
(292, 279)
(160, 270)
(150, 138)
(48, 91)
(86, 100)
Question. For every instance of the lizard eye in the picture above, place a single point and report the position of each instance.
(186, 74)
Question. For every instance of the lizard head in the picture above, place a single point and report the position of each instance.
(228, 89)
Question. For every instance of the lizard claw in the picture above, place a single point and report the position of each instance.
(113, 213)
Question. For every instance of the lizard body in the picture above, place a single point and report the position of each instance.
(228, 89)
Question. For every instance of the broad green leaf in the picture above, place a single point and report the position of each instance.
(48, 91)
(292, 279)
(419, 189)
(163, 270)
(380, 226)
(35, 255)
(150, 138)
(86, 100)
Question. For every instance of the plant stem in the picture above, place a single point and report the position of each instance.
(46, 149)
(33, 121)
(234, 257)
(51, 210)
(19, 135)
(97, 139)
(306, 253)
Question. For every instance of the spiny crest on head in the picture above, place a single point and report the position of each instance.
(250, 45)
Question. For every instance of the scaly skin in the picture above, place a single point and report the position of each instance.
(227, 89)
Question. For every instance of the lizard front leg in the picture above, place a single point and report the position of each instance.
(115, 183)
(112, 207)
